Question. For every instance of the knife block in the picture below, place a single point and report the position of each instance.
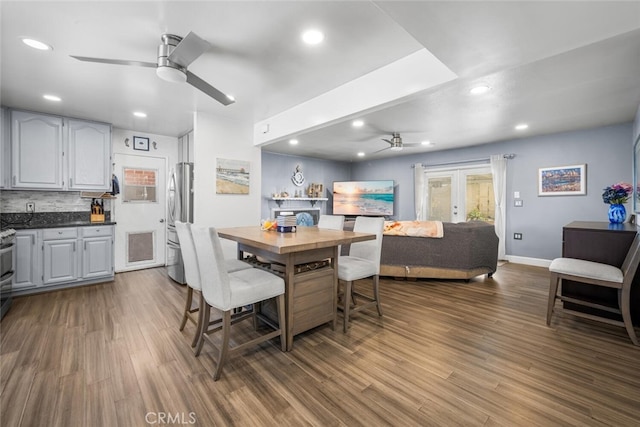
(97, 217)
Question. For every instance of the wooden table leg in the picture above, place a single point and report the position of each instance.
(289, 281)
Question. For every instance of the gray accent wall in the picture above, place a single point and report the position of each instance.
(277, 170)
(607, 152)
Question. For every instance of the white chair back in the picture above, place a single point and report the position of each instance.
(331, 222)
(213, 271)
(189, 257)
(371, 249)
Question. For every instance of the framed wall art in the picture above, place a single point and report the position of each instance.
(140, 143)
(562, 180)
(636, 175)
(232, 176)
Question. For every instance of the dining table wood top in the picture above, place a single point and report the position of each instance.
(305, 238)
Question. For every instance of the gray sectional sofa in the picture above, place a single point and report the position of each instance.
(467, 249)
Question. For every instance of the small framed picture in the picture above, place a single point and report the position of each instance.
(562, 180)
(140, 143)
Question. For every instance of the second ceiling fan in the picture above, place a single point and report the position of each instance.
(396, 144)
(174, 56)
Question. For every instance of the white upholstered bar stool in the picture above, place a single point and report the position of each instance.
(363, 261)
(594, 273)
(229, 291)
(192, 274)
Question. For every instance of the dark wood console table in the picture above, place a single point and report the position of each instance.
(605, 243)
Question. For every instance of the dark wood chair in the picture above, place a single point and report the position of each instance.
(597, 274)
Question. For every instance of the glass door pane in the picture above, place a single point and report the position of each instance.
(439, 197)
(479, 199)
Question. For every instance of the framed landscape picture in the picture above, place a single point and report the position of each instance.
(232, 176)
(562, 180)
(636, 176)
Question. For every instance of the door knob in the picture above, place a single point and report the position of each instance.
(162, 220)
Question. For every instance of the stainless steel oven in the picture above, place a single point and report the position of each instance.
(7, 267)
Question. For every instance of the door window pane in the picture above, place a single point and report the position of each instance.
(480, 202)
(139, 185)
(439, 199)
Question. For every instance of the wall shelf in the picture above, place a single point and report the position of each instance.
(312, 200)
(96, 195)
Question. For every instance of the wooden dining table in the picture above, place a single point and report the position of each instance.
(308, 261)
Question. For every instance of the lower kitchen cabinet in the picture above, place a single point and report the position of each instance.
(62, 257)
(28, 268)
(60, 261)
(97, 252)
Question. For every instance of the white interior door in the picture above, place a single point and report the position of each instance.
(140, 212)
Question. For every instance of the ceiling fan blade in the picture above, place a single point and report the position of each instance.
(198, 83)
(116, 61)
(189, 49)
(381, 150)
(413, 144)
(386, 140)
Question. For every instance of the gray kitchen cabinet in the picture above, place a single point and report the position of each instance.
(59, 249)
(97, 251)
(89, 155)
(36, 151)
(56, 153)
(28, 268)
(63, 257)
(5, 143)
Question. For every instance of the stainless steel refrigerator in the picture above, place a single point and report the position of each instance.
(180, 199)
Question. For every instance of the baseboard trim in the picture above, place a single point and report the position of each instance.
(536, 262)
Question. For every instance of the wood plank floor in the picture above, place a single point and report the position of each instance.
(445, 353)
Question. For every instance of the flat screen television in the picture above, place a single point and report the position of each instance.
(367, 198)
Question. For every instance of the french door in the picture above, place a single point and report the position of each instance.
(461, 194)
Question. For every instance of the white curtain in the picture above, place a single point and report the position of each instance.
(499, 172)
(420, 195)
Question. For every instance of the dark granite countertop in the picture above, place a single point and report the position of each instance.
(25, 221)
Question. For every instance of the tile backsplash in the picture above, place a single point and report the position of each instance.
(12, 201)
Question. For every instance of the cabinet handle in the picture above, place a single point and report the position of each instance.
(74, 246)
(70, 182)
(14, 180)
(85, 245)
(33, 239)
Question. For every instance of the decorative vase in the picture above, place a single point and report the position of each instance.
(617, 213)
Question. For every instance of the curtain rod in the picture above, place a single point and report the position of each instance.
(457, 162)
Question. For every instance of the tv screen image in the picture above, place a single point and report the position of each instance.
(370, 198)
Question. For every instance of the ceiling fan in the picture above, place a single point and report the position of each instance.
(396, 144)
(174, 56)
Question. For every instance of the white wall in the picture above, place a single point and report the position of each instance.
(219, 137)
(166, 146)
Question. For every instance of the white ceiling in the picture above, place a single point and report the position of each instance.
(555, 65)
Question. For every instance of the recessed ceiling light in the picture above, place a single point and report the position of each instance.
(293, 141)
(478, 90)
(360, 154)
(52, 98)
(522, 126)
(427, 143)
(357, 123)
(312, 37)
(36, 44)
(139, 114)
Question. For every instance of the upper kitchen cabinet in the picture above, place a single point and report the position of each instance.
(56, 153)
(89, 155)
(36, 151)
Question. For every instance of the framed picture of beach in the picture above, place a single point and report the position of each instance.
(562, 180)
(232, 176)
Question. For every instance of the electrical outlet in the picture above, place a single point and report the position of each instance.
(31, 207)
(517, 203)
(517, 236)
